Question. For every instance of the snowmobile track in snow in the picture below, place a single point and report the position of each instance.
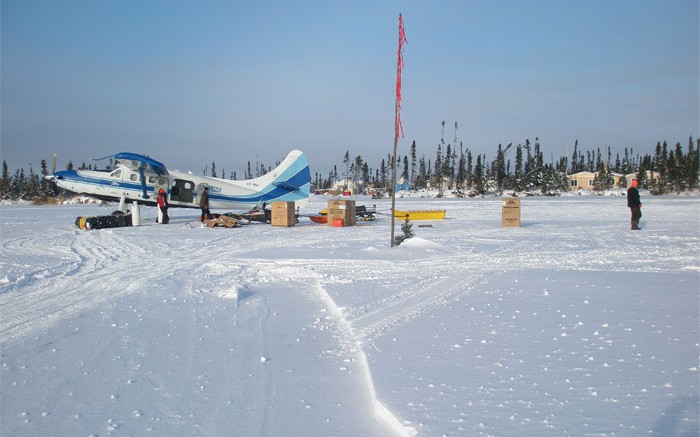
(372, 320)
(94, 271)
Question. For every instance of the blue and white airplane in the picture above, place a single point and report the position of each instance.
(138, 178)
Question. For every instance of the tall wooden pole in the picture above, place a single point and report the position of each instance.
(398, 130)
(393, 181)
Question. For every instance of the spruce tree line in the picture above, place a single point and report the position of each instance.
(454, 168)
(26, 186)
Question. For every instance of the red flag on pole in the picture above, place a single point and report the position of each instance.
(399, 68)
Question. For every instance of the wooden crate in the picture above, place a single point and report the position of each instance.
(510, 215)
(282, 214)
(342, 209)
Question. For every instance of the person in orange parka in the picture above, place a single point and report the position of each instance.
(634, 204)
(163, 206)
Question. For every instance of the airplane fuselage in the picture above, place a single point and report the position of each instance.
(288, 182)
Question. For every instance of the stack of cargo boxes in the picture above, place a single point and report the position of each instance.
(511, 213)
(341, 213)
(282, 214)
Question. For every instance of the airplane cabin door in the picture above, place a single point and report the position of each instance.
(182, 191)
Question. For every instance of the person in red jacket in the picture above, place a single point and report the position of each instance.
(634, 204)
(163, 206)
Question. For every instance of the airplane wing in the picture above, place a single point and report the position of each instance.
(141, 162)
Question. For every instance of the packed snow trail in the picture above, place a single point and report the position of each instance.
(265, 363)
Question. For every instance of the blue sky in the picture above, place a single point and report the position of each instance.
(191, 83)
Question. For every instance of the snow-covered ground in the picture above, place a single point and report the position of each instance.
(569, 325)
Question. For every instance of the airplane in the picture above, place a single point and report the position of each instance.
(138, 178)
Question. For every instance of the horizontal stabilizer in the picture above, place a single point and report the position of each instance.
(286, 185)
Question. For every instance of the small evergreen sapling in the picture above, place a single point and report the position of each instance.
(407, 229)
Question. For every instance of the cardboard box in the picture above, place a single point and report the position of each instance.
(510, 214)
(342, 209)
(282, 214)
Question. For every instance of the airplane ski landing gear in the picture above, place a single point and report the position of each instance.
(122, 204)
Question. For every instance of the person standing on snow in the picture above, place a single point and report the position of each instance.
(634, 204)
(204, 204)
(163, 206)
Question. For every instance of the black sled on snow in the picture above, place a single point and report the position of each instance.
(116, 220)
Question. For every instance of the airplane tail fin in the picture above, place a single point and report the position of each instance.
(288, 182)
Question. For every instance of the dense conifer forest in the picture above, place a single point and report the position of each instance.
(453, 168)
